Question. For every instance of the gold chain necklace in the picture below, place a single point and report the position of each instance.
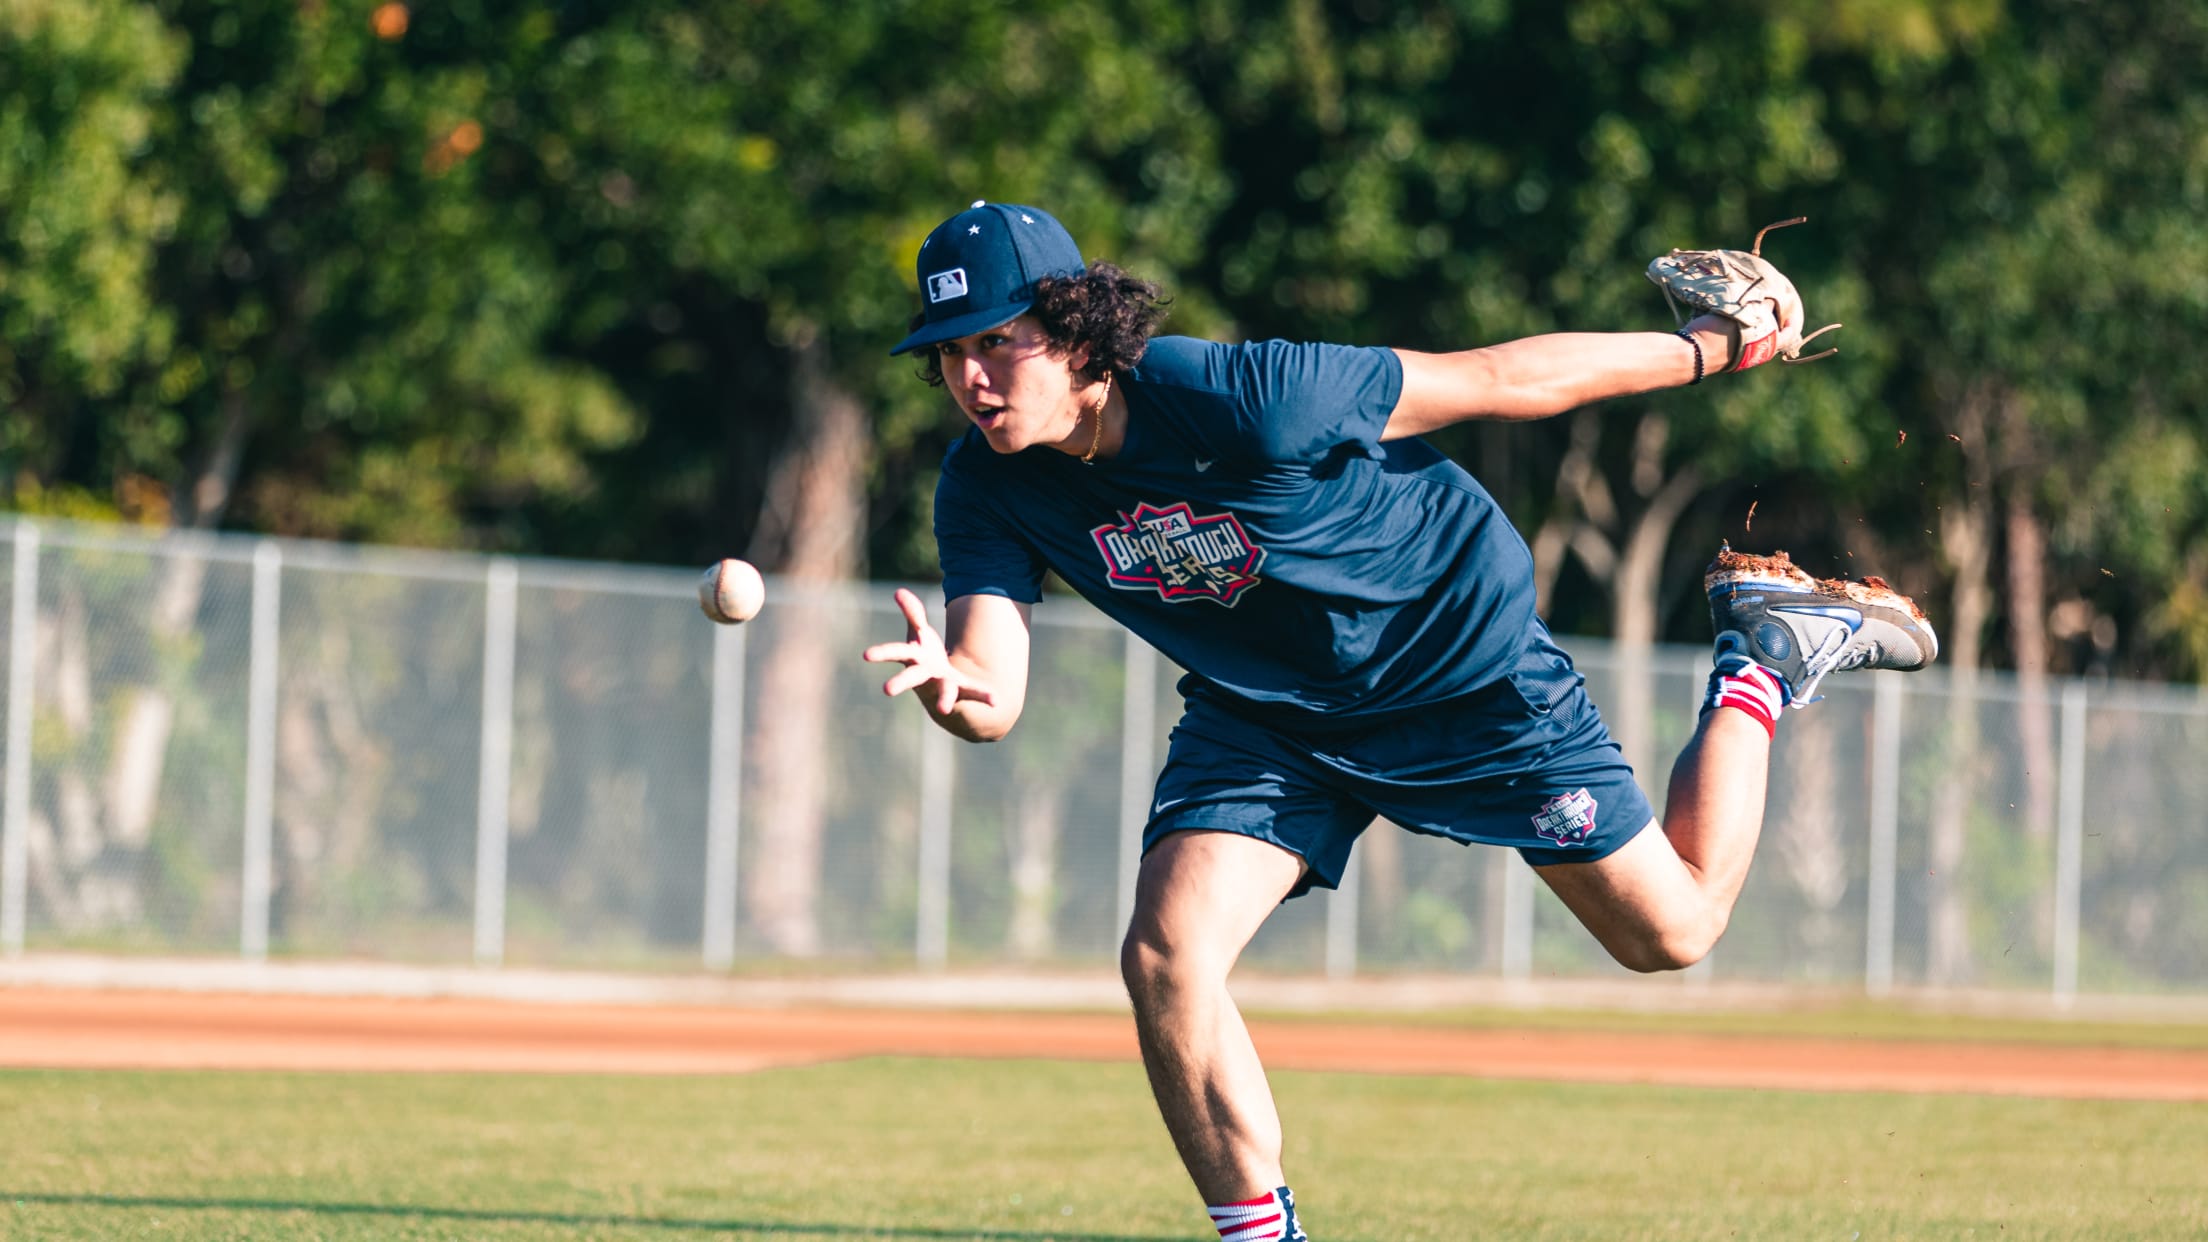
(1096, 441)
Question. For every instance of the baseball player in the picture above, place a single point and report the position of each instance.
(1357, 618)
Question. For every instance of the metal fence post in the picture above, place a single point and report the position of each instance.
(15, 802)
(932, 935)
(257, 878)
(1341, 917)
(1138, 740)
(2070, 843)
(1517, 956)
(1878, 949)
(495, 780)
(724, 796)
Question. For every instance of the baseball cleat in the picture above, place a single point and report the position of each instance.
(1801, 628)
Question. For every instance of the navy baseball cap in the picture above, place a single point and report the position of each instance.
(978, 269)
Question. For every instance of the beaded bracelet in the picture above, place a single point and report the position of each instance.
(1688, 337)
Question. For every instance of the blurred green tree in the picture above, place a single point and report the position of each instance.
(282, 260)
(612, 281)
(2047, 274)
(82, 213)
(752, 185)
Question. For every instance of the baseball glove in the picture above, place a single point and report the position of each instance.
(1742, 286)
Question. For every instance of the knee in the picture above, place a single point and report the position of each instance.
(1156, 969)
(1145, 965)
(1674, 945)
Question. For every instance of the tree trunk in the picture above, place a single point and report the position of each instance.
(1966, 536)
(1637, 585)
(130, 792)
(1632, 567)
(1380, 879)
(1038, 814)
(2027, 609)
(337, 774)
(61, 850)
(812, 535)
(1572, 484)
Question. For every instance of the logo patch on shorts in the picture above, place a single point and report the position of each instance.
(1567, 818)
(1179, 555)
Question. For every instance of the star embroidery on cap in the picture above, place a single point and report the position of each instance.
(1027, 219)
(973, 230)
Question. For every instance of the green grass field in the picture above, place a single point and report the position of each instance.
(1041, 1150)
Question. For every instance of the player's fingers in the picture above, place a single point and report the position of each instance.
(904, 681)
(916, 613)
(975, 694)
(946, 698)
(883, 652)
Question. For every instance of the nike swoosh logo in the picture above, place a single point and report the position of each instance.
(1853, 616)
(1202, 465)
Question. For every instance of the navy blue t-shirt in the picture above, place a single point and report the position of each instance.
(1255, 530)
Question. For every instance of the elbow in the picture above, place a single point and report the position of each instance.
(978, 729)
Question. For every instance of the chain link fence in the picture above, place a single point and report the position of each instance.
(251, 747)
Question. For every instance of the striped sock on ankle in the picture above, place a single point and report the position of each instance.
(1267, 1218)
(1741, 683)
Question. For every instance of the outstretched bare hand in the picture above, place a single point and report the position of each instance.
(927, 665)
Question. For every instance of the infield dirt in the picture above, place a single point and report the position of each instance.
(45, 1028)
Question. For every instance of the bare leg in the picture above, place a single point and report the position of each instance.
(1200, 898)
(1662, 901)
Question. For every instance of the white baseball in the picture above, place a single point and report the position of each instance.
(731, 591)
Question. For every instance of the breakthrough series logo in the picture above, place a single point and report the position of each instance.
(1567, 818)
(1179, 555)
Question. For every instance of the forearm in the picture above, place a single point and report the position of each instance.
(1541, 376)
(1547, 375)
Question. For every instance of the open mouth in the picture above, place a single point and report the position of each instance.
(986, 416)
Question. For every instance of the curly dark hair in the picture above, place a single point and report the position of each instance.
(1103, 308)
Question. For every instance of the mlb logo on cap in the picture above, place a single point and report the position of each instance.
(978, 269)
(943, 286)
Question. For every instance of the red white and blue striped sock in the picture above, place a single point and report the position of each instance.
(1741, 683)
(1267, 1218)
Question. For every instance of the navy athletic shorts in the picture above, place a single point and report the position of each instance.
(1523, 762)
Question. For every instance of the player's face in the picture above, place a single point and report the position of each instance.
(1013, 385)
